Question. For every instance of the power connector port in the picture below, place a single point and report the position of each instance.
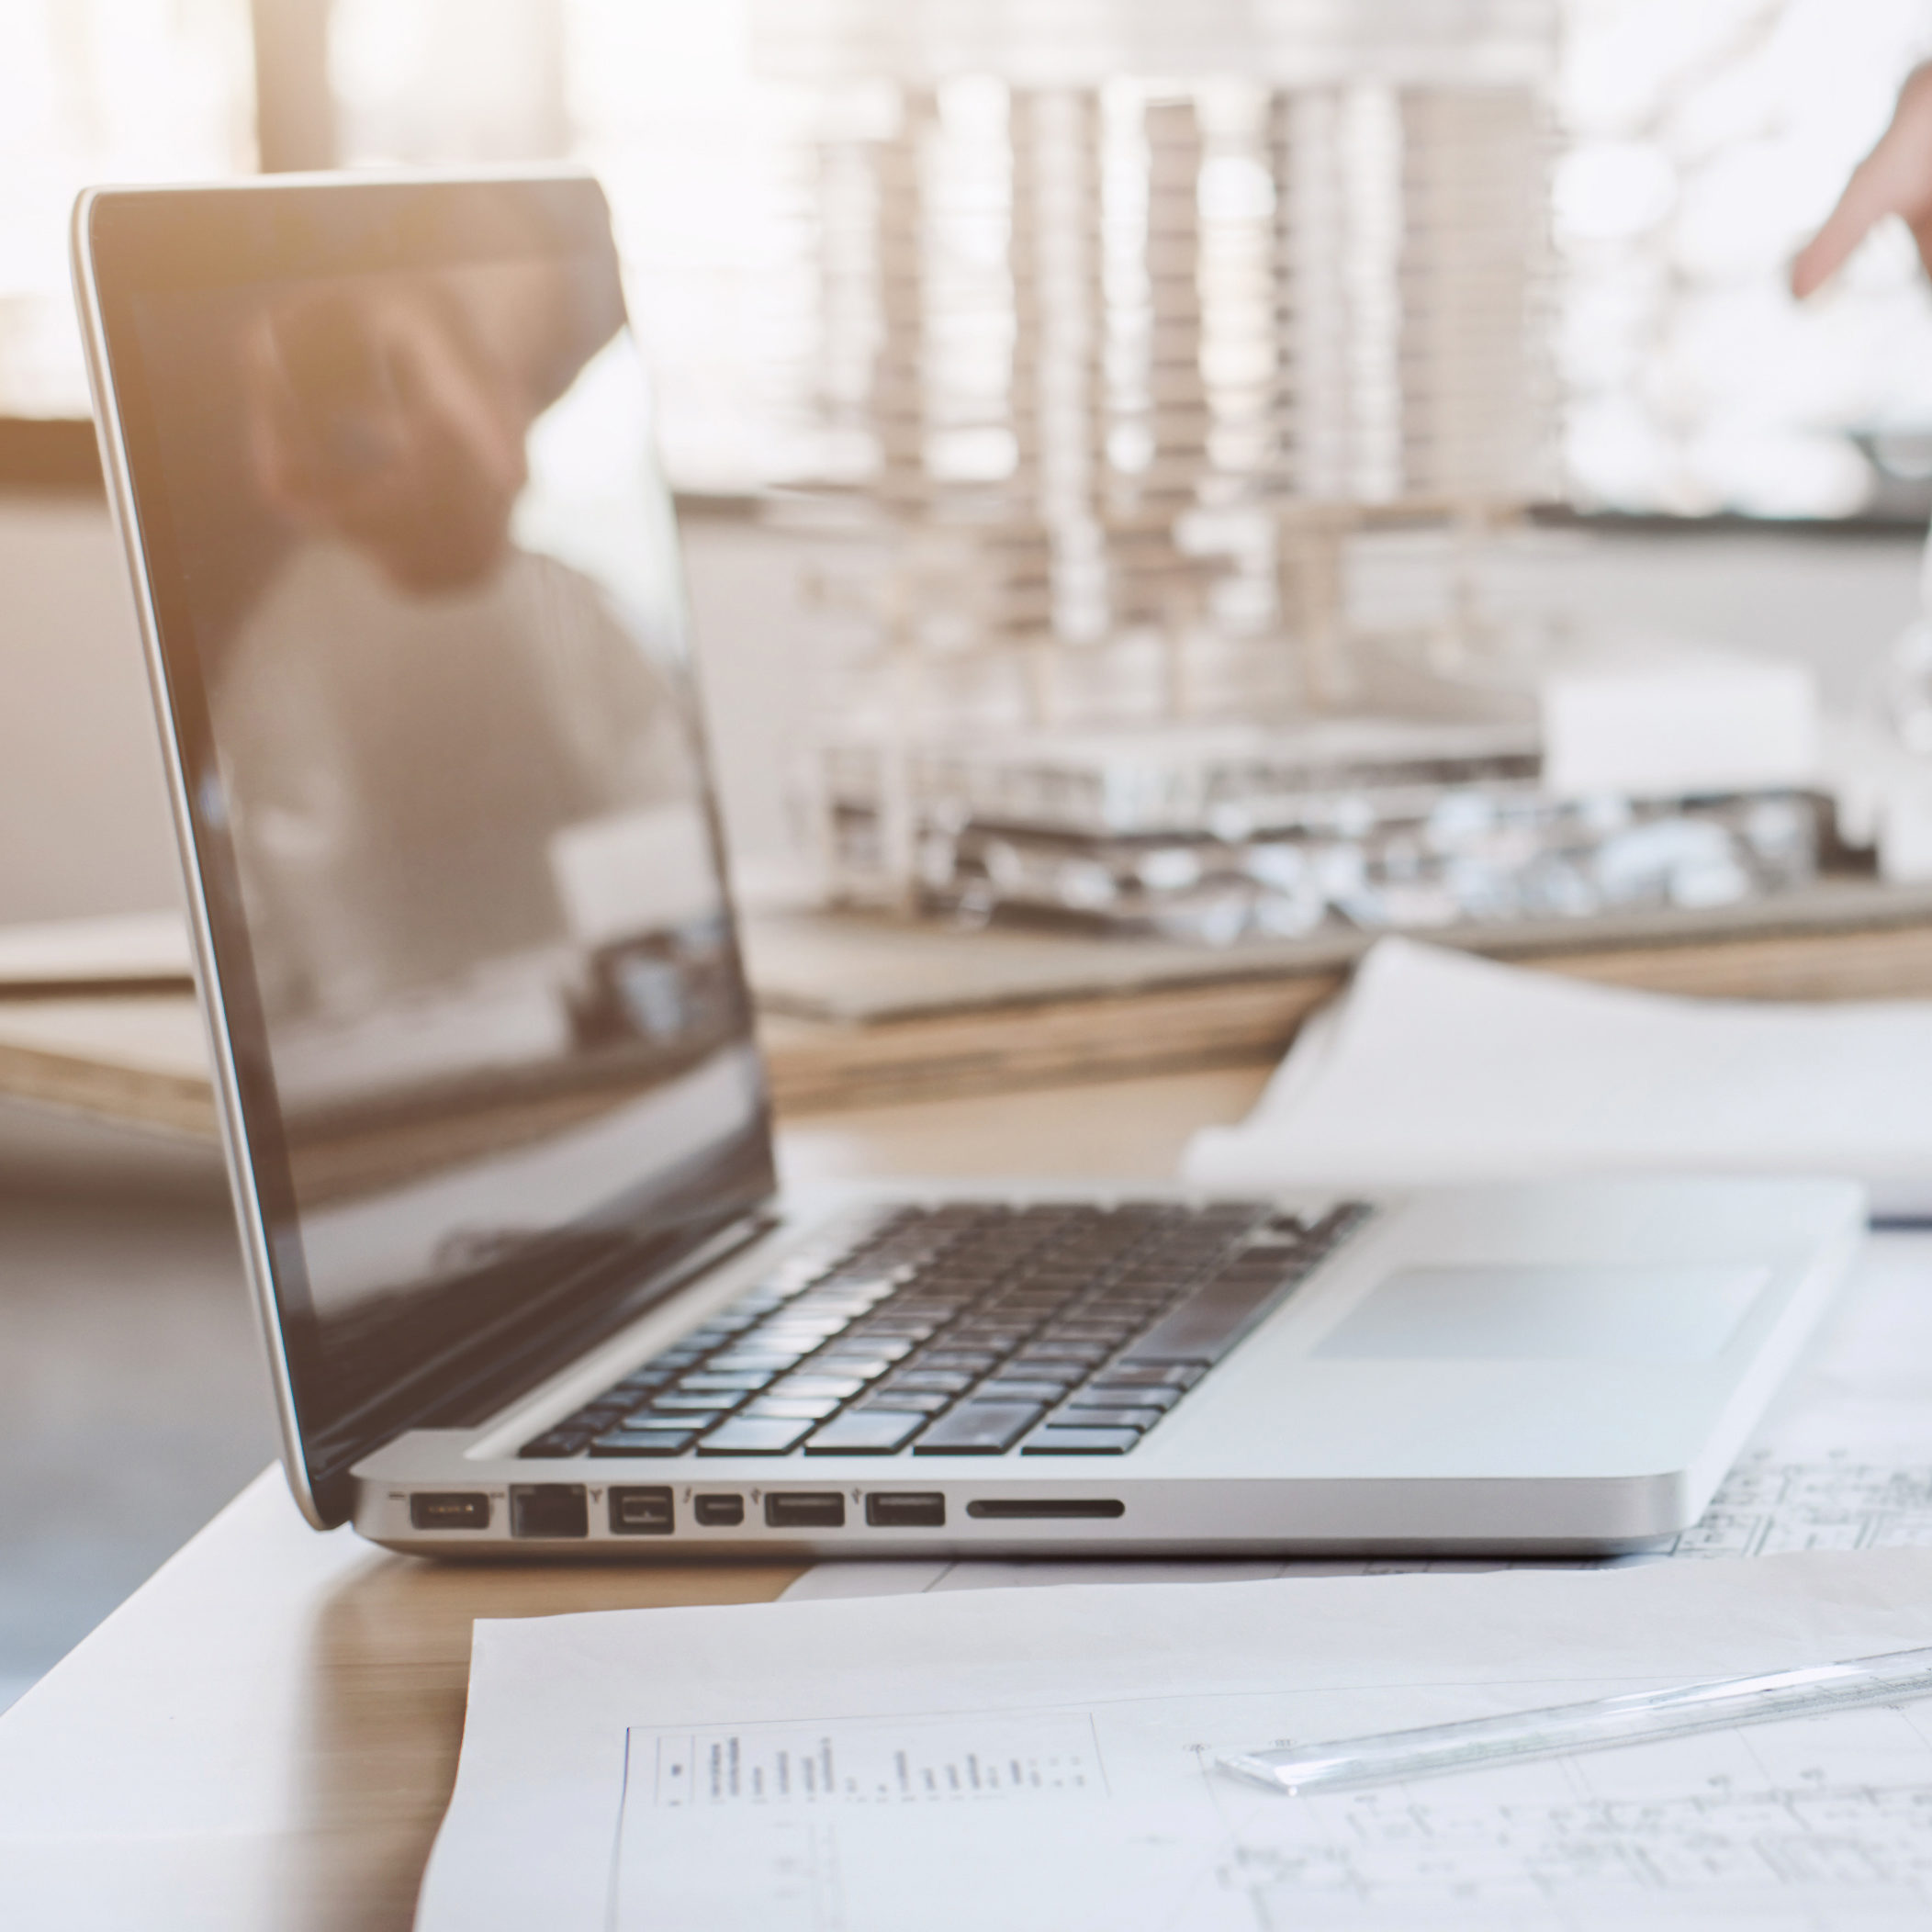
(449, 1510)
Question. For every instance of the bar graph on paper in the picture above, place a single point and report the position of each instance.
(942, 1760)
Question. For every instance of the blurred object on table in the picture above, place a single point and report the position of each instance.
(1222, 833)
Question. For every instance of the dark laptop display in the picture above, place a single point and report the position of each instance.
(416, 589)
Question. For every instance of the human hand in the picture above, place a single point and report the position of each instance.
(1895, 178)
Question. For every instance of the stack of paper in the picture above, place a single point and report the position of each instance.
(1045, 1760)
(1440, 1068)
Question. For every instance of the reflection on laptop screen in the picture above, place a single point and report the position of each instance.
(455, 786)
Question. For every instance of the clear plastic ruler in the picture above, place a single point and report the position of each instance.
(1478, 1744)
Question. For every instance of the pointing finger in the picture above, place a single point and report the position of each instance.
(1869, 195)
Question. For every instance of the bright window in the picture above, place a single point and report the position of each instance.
(96, 91)
(1694, 147)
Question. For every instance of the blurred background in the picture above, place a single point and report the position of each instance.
(1094, 379)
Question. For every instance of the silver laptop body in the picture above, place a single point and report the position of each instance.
(494, 1113)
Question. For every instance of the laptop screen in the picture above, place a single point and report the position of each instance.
(416, 589)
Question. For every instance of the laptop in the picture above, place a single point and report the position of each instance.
(494, 1112)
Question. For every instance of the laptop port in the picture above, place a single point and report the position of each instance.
(548, 1510)
(718, 1512)
(806, 1510)
(449, 1510)
(640, 1513)
(911, 1510)
(1014, 1509)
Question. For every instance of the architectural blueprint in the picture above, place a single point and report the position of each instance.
(1045, 1760)
(1786, 1827)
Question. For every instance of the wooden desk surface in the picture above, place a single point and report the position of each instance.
(265, 1735)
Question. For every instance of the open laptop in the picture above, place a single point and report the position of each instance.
(494, 1111)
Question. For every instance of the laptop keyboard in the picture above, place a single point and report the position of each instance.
(972, 1329)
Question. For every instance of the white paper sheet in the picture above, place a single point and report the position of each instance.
(1438, 1067)
(1044, 1759)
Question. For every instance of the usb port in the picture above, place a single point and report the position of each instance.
(806, 1510)
(718, 1512)
(641, 1513)
(910, 1509)
(449, 1510)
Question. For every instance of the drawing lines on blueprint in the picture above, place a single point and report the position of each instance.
(1767, 1505)
(1760, 1855)
(1811, 1822)
(1807, 1824)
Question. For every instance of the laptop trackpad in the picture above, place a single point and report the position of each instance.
(1549, 1314)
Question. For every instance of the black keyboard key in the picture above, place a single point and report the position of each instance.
(861, 1368)
(697, 1402)
(866, 1431)
(598, 1416)
(775, 1359)
(929, 1381)
(1023, 1389)
(1109, 1333)
(979, 1429)
(910, 1332)
(908, 1401)
(1135, 1374)
(735, 1380)
(805, 1336)
(987, 1341)
(840, 1388)
(557, 1443)
(1075, 1357)
(1135, 1396)
(645, 1442)
(887, 1348)
(1136, 1418)
(1213, 1317)
(805, 1409)
(644, 1380)
(1081, 1442)
(756, 1435)
(644, 1423)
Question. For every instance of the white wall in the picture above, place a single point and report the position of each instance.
(81, 802)
(81, 798)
